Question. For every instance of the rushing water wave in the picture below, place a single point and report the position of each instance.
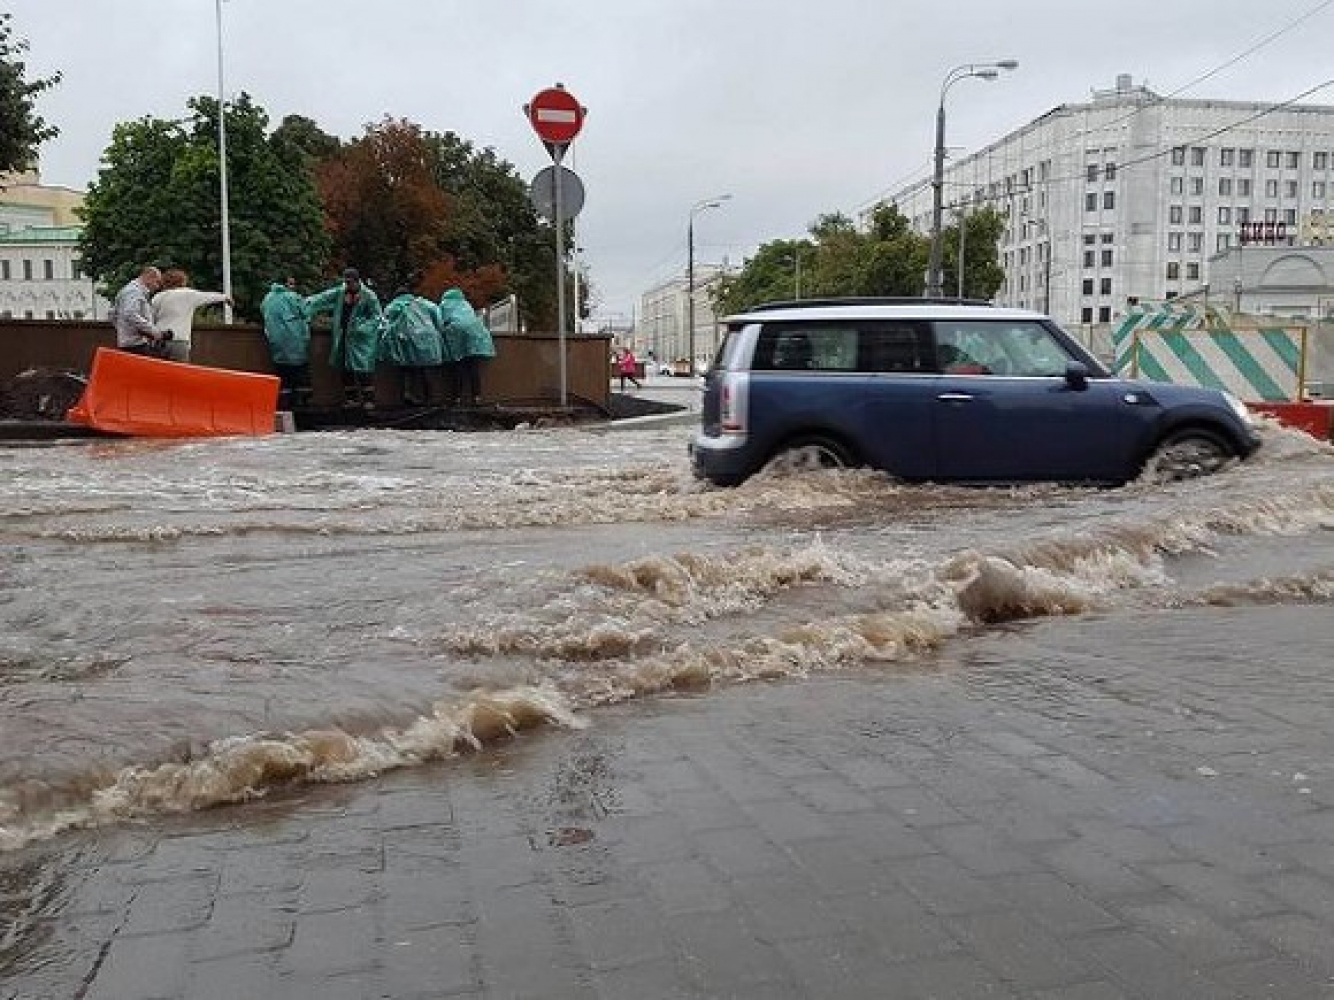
(191, 624)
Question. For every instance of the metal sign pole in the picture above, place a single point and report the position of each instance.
(560, 273)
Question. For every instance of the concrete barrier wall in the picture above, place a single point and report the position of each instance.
(526, 368)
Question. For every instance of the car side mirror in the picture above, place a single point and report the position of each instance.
(1077, 375)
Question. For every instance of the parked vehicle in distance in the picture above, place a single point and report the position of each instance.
(947, 389)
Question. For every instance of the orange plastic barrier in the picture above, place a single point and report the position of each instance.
(1314, 418)
(129, 394)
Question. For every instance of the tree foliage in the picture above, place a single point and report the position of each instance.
(424, 210)
(156, 201)
(22, 130)
(886, 258)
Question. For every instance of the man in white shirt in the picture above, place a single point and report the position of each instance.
(174, 309)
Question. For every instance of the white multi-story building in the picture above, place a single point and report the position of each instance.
(1126, 197)
(40, 276)
(663, 326)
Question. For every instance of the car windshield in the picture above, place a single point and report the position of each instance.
(1015, 348)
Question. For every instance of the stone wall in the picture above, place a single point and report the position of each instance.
(524, 371)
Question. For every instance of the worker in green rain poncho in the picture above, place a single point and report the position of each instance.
(410, 339)
(467, 342)
(355, 309)
(287, 329)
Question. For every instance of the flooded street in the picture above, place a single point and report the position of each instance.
(191, 624)
(1066, 722)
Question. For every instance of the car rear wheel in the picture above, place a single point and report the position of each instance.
(1189, 454)
(816, 452)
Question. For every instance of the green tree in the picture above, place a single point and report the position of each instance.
(886, 258)
(156, 200)
(22, 130)
(492, 221)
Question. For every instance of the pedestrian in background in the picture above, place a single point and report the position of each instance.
(174, 310)
(466, 338)
(411, 340)
(629, 368)
(287, 329)
(132, 315)
(356, 314)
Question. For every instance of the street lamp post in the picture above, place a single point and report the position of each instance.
(698, 207)
(980, 71)
(222, 182)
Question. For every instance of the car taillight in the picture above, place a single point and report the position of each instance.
(729, 412)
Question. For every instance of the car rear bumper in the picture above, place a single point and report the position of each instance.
(722, 459)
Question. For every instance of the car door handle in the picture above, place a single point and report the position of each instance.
(954, 397)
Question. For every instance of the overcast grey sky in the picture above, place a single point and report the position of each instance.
(794, 108)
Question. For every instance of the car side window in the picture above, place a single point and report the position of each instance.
(1009, 348)
(788, 347)
(894, 347)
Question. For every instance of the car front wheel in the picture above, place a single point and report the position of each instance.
(1189, 454)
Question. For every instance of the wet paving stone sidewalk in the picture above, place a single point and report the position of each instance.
(1054, 814)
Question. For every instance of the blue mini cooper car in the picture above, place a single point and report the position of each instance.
(947, 390)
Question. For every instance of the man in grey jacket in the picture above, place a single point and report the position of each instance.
(132, 315)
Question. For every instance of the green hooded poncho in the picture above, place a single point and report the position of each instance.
(363, 328)
(464, 335)
(411, 334)
(286, 325)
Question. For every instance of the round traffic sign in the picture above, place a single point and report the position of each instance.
(542, 193)
(556, 114)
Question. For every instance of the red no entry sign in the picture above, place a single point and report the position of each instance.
(556, 114)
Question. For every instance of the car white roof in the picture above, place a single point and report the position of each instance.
(868, 310)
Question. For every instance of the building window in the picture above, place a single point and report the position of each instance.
(1294, 161)
(78, 314)
(1107, 258)
(1197, 185)
(27, 314)
(1177, 185)
(1319, 160)
(1197, 156)
(1243, 213)
(1318, 190)
(1271, 215)
(1196, 215)
(27, 276)
(1179, 156)
(1088, 286)
(1224, 241)
(1091, 202)
(1105, 286)
(1192, 270)
(49, 271)
(1226, 157)
(1086, 314)
(50, 314)
(1225, 185)
(1273, 158)
(4, 270)
(1244, 186)
(1090, 258)
(1175, 214)
(1195, 242)
(1109, 171)
(1174, 242)
(1290, 188)
(1173, 270)
(1290, 216)
(1091, 172)
(1109, 199)
(1271, 189)
(1224, 215)
(1108, 237)
(1104, 314)
(1090, 239)
(1245, 157)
